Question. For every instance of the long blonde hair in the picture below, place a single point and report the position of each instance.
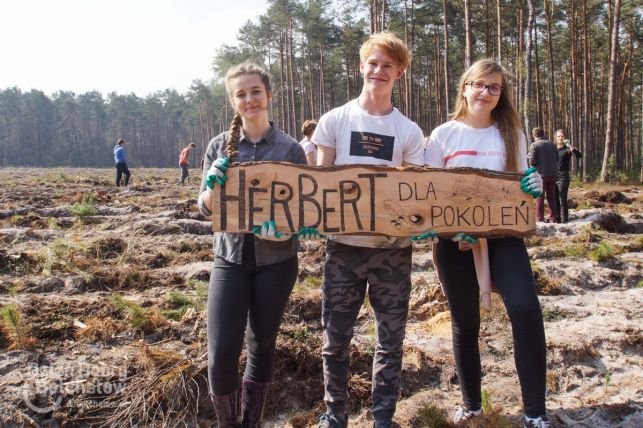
(246, 67)
(504, 114)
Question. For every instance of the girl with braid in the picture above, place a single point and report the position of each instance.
(253, 274)
(485, 132)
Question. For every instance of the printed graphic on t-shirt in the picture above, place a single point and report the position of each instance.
(372, 145)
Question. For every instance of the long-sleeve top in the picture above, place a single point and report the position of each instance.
(542, 155)
(275, 146)
(565, 157)
(119, 154)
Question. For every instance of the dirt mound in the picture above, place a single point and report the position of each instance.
(610, 197)
(612, 222)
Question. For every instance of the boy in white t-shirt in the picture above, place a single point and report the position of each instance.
(368, 131)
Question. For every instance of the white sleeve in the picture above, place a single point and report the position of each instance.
(325, 134)
(433, 153)
(522, 151)
(307, 146)
(414, 149)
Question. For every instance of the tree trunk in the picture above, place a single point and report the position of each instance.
(527, 89)
(499, 31)
(609, 134)
(446, 57)
(468, 47)
(553, 117)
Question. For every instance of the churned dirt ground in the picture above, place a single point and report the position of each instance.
(102, 292)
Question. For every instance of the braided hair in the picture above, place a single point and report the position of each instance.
(231, 149)
(246, 67)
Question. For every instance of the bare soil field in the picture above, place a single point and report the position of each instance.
(103, 290)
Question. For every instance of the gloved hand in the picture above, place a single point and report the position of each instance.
(425, 235)
(216, 173)
(308, 233)
(532, 182)
(268, 230)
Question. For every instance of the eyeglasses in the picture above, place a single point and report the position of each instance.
(494, 88)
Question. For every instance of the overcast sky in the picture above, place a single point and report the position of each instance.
(138, 46)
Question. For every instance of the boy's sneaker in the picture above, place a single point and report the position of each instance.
(540, 422)
(463, 414)
(331, 420)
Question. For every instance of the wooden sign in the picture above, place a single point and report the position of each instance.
(365, 199)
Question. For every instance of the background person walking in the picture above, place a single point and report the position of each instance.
(310, 148)
(564, 151)
(120, 162)
(184, 162)
(542, 155)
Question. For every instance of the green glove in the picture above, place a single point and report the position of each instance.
(308, 233)
(216, 173)
(425, 235)
(267, 230)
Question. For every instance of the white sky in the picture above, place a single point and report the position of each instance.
(139, 46)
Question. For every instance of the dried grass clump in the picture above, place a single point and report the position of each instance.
(546, 285)
(165, 393)
(16, 329)
(95, 329)
(66, 255)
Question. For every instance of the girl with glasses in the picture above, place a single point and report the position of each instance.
(485, 132)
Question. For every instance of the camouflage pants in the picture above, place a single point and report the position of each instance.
(348, 269)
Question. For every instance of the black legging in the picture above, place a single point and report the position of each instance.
(511, 272)
(563, 187)
(240, 294)
(121, 168)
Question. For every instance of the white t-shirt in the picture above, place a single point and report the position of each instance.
(456, 144)
(362, 139)
(309, 147)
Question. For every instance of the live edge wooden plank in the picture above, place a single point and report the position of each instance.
(364, 199)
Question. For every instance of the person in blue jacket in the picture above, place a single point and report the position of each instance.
(120, 162)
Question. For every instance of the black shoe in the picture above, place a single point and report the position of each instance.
(331, 420)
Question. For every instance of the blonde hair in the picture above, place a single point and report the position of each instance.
(560, 130)
(244, 68)
(389, 43)
(504, 114)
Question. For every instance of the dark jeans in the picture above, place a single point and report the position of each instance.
(549, 192)
(184, 173)
(563, 187)
(511, 272)
(121, 168)
(251, 298)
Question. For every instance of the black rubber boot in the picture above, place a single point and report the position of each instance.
(226, 408)
(253, 400)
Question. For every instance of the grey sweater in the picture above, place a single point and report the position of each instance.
(543, 155)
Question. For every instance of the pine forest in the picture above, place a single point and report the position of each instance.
(576, 66)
